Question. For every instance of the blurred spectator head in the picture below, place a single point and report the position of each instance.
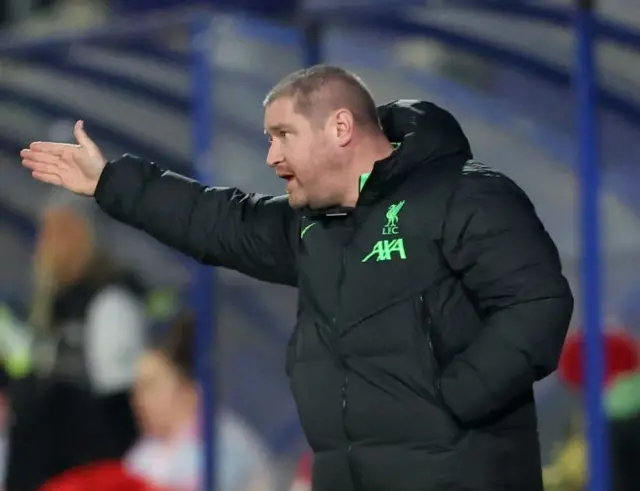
(165, 391)
(65, 243)
(621, 357)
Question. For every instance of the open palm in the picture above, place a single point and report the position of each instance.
(74, 167)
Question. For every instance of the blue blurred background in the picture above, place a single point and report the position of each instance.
(504, 68)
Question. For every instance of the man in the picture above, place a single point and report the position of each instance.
(430, 296)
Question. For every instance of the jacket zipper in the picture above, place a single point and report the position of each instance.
(429, 334)
(336, 333)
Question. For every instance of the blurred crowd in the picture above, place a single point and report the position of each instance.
(621, 401)
(91, 378)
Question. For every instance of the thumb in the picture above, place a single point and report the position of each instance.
(81, 136)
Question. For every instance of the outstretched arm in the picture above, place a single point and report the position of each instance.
(511, 270)
(250, 233)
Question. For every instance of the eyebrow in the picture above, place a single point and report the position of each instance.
(276, 128)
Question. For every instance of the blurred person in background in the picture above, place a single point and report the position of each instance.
(621, 395)
(431, 297)
(89, 325)
(166, 400)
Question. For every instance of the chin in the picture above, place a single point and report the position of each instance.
(296, 201)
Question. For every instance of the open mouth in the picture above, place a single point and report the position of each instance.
(286, 177)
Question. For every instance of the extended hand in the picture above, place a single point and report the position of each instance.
(74, 167)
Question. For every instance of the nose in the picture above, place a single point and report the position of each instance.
(274, 155)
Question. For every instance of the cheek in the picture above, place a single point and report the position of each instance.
(140, 404)
(310, 162)
(296, 152)
(151, 404)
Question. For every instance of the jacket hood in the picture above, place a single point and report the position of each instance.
(425, 132)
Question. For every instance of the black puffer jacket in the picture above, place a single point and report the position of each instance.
(426, 313)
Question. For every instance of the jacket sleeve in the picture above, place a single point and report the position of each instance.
(250, 233)
(511, 272)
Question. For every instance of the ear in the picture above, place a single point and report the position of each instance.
(344, 126)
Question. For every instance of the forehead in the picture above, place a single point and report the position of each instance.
(152, 365)
(282, 112)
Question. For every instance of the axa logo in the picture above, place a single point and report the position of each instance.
(387, 249)
(383, 250)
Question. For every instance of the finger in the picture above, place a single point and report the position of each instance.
(51, 147)
(43, 157)
(39, 167)
(81, 136)
(47, 177)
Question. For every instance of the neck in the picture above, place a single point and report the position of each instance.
(373, 149)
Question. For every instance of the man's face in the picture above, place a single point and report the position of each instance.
(302, 153)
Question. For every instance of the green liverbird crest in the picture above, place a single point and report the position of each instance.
(391, 228)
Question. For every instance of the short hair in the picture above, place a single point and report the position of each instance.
(321, 89)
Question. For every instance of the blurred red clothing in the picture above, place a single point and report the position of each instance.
(302, 478)
(621, 355)
(102, 476)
